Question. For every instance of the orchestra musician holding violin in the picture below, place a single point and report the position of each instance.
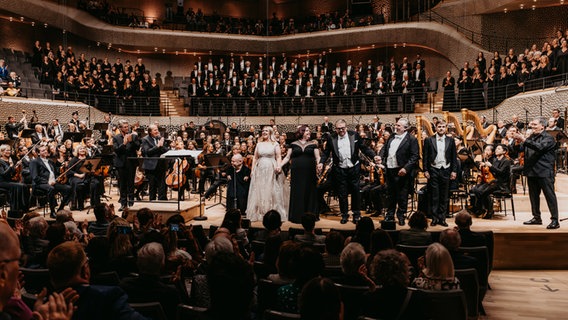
(125, 145)
(440, 166)
(81, 180)
(44, 180)
(495, 173)
(153, 146)
(10, 177)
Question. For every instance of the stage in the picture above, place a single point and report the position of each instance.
(517, 246)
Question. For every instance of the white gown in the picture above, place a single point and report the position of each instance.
(268, 190)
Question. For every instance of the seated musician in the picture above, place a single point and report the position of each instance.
(373, 191)
(39, 134)
(495, 176)
(44, 181)
(92, 149)
(202, 171)
(80, 181)
(19, 192)
(25, 157)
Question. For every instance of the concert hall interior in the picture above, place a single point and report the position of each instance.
(283, 159)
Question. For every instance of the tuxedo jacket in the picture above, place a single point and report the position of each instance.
(12, 129)
(430, 152)
(122, 152)
(407, 154)
(40, 172)
(150, 149)
(356, 143)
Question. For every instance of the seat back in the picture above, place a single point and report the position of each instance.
(332, 272)
(443, 305)
(152, 310)
(470, 286)
(482, 256)
(110, 278)
(277, 315)
(413, 253)
(185, 312)
(267, 295)
(352, 297)
(36, 279)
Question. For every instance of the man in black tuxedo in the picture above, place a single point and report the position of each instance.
(345, 146)
(44, 180)
(153, 146)
(125, 145)
(440, 166)
(540, 157)
(238, 182)
(39, 134)
(12, 128)
(326, 126)
(400, 156)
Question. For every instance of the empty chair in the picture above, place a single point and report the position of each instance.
(185, 312)
(443, 305)
(153, 310)
(277, 315)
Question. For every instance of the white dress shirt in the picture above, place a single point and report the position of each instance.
(440, 161)
(344, 150)
(391, 159)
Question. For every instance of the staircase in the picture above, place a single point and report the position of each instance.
(438, 101)
(171, 104)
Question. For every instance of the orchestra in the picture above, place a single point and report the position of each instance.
(43, 164)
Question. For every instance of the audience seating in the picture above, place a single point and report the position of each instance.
(413, 253)
(36, 279)
(260, 269)
(185, 312)
(469, 283)
(153, 310)
(443, 305)
(345, 232)
(501, 197)
(110, 278)
(332, 272)
(277, 315)
(352, 299)
(266, 295)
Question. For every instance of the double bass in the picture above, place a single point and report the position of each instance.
(176, 178)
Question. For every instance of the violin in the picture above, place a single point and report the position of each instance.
(176, 177)
(486, 175)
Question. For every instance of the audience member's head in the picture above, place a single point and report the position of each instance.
(451, 239)
(309, 222)
(232, 220)
(308, 264)
(38, 227)
(320, 299)
(101, 213)
(218, 244)
(463, 220)
(231, 285)
(380, 240)
(64, 216)
(9, 268)
(390, 268)
(352, 257)
(151, 259)
(284, 263)
(56, 234)
(145, 218)
(439, 263)
(272, 220)
(119, 236)
(68, 265)
(418, 221)
(334, 242)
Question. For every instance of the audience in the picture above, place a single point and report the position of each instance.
(469, 238)
(284, 263)
(438, 272)
(320, 300)
(309, 237)
(334, 243)
(417, 234)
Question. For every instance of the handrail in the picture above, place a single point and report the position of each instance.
(490, 42)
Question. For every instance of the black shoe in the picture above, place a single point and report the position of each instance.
(121, 208)
(443, 223)
(488, 215)
(534, 221)
(389, 219)
(401, 222)
(433, 223)
(343, 221)
(376, 214)
(130, 204)
(553, 225)
(52, 215)
(355, 220)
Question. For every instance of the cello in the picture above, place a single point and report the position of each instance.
(176, 178)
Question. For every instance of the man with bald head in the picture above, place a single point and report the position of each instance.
(153, 146)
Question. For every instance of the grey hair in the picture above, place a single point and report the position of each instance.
(218, 244)
(542, 120)
(37, 227)
(352, 257)
(405, 122)
(151, 258)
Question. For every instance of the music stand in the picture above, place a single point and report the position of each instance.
(73, 136)
(215, 131)
(101, 126)
(475, 146)
(245, 134)
(90, 165)
(27, 133)
(88, 132)
(216, 161)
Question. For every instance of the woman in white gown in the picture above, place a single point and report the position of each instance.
(268, 188)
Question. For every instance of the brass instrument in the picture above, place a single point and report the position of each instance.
(322, 177)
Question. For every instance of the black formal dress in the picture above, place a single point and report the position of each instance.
(80, 187)
(303, 182)
(18, 192)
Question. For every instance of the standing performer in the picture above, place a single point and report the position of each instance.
(238, 183)
(344, 146)
(125, 145)
(400, 154)
(540, 156)
(440, 166)
(155, 170)
(305, 156)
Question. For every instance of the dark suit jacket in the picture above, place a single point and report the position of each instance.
(39, 172)
(12, 129)
(406, 155)
(150, 149)
(122, 152)
(35, 137)
(356, 145)
(431, 152)
(540, 155)
(104, 302)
